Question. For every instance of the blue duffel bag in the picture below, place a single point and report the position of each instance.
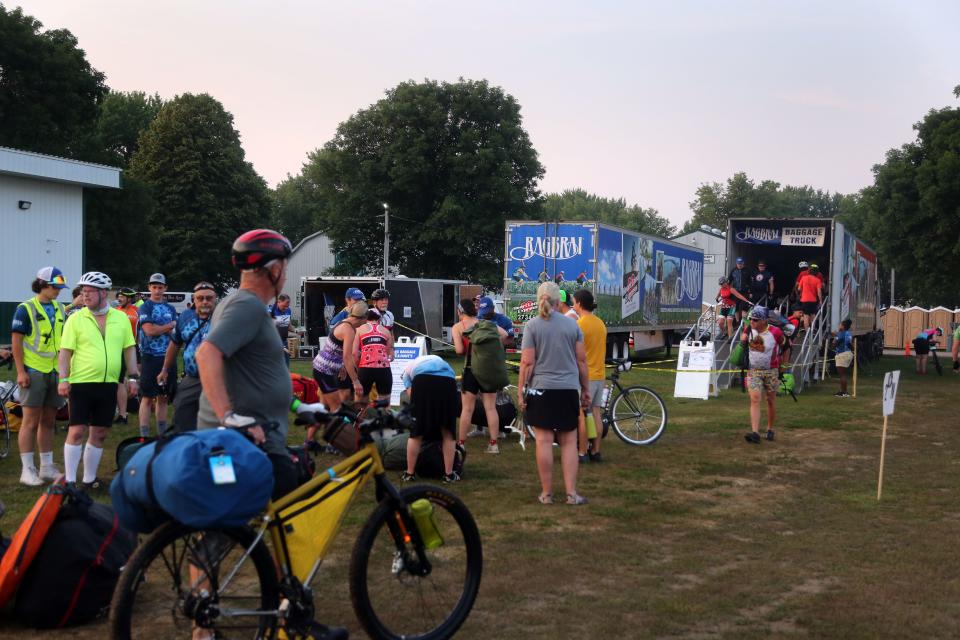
(173, 479)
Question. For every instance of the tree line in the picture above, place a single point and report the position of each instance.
(451, 160)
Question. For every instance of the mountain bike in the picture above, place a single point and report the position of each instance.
(412, 574)
(637, 414)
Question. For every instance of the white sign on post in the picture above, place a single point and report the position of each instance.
(890, 383)
(405, 351)
(695, 378)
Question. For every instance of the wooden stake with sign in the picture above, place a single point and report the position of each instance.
(890, 383)
(854, 368)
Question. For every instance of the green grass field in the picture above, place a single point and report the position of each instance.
(702, 535)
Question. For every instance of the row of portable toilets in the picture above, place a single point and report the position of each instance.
(901, 325)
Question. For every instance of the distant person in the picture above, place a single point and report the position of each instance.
(351, 297)
(595, 347)
(158, 319)
(922, 344)
(473, 386)
(95, 339)
(803, 267)
(728, 297)
(762, 285)
(554, 388)
(790, 329)
(486, 310)
(126, 299)
(435, 405)
(381, 302)
(334, 368)
(810, 288)
(36, 333)
(373, 353)
(843, 345)
(763, 343)
(192, 328)
(281, 313)
(740, 279)
(566, 308)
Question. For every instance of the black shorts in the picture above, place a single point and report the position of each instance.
(331, 382)
(921, 347)
(435, 404)
(470, 384)
(93, 403)
(380, 376)
(149, 370)
(809, 308)
(742, 306)
(556, 409)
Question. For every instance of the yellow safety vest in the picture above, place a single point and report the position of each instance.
(42, 344)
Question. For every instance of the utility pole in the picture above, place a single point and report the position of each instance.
(893, 275)
(386, 241)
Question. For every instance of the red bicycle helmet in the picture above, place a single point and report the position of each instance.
(256, 248)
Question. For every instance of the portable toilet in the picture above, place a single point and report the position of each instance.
(914, 321)
(941, 317)
(893, 328)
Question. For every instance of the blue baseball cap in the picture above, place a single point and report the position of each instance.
(486, 306)
(739, 260)
(758, 313)
(355, 294)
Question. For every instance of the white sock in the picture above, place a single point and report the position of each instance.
(26, 459)
(71, 460)
(91, 460)
(46, 459)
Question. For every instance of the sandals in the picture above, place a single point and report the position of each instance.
(575, 499)
(545, 498)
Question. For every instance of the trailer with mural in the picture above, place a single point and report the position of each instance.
(848, 264)
(645, 287)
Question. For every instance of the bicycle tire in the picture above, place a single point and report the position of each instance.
(4, 441)
(635, 420)
(391, 603)
(936, 363)
(141, 603)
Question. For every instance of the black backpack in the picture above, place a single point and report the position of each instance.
(430, 460)
(73, 576)
(506, 411)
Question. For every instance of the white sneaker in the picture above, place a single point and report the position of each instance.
(30, 478)
(49, 472)
(493, 448)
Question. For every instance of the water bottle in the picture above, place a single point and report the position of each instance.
(591, 426)
(422, 511)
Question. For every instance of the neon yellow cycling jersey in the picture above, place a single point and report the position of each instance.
(96, 357)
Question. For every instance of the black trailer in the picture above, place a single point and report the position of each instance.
(420, 306)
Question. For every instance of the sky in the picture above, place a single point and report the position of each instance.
(637, 100)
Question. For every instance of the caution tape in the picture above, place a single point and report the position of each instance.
(412, 330)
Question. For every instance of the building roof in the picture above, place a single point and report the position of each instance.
(27, 164)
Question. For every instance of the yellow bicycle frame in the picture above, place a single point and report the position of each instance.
(304, 522)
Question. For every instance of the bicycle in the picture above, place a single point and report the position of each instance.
(637, 414)
(407, 579)
(936, 360)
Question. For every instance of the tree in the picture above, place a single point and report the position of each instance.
(451, 160)
(297, 208)
(206, 193)
(117, 233)
(715, 203)
(121, 120)
(48, 91)
(577, 204)
(912, 213)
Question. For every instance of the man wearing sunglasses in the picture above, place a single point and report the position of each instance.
(192, 327)
(763, 342)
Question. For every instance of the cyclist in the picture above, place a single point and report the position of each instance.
(244, 378)
(921, 345)
(486, 310)
(95, 339)
(810, 288)
(844, 358)
(470, 385)
(595, 345)
(193, 326)
(125, 302)
(373, 352)
(158, 319)
(566, 305)
(334, 368)
(352, 296)
(36, 333)
(381, 300)
(764, 343)
(434, 404)
(729, 298)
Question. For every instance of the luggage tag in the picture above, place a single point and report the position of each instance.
(221, 468)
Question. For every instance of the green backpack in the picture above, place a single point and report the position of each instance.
(487, 357)
(787, 383)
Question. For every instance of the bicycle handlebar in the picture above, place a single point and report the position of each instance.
(378, 418)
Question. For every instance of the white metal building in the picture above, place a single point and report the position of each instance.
(41, 217)
(714, 245)
(313, 256)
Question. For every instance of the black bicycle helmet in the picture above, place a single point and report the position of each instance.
(130, 292)
(256, 248)
(380, 294)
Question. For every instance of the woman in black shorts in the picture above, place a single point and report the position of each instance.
(373, 352)
(554, 388)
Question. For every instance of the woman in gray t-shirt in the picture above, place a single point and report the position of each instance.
(554, 387)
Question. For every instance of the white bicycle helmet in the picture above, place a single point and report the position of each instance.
(803, 264)
(95, 279)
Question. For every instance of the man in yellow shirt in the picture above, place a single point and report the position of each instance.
(595, 342)
(95, 340)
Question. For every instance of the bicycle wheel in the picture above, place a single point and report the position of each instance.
(179, 578)
(639, 416)
(389, 600)
(4, 439)
(936, 363)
